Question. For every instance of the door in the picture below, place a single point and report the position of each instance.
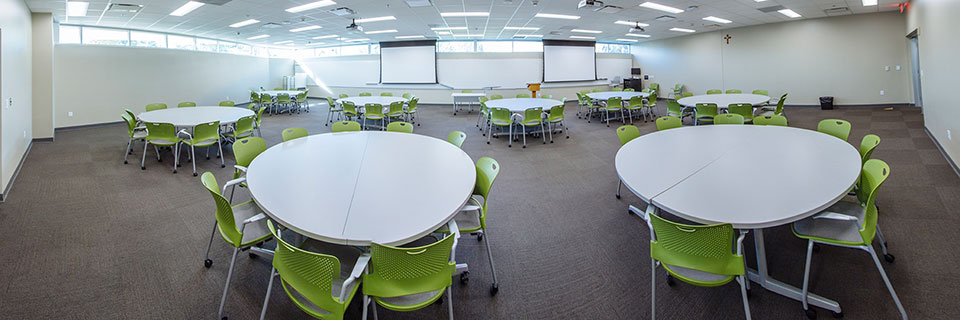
(914, 39)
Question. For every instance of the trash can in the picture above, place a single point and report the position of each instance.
(826, 103)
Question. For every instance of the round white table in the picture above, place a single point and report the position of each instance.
(355, 188)
(625, 95)
(274, 93)
(753, 177)
(189, 117)
(518, 105)
(361, 101)
(724, 100)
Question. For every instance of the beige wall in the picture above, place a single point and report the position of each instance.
(939, 45)
(15, 83)
(43, 27)
(97, 82)
(842, 57)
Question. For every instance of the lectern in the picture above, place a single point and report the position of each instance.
(533, 87)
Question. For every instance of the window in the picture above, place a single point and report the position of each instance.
(260, 52)
(328, 52)
(109, 37)
(181, 42)
(234, 48)
(494, 46)
(282, 53)
(355, 50)
(148, 39)
(527, 46)
(69, 34)
(455, 46)
(613, 48)
(207, 45)
(375, 48)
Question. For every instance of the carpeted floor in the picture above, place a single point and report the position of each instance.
(88, 237)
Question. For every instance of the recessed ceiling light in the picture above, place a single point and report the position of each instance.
(448, 28)
(789, 13)
(375, 19)
(186, 8)
(77, 8)
(464, 14)
(521, 28)
(581, 37)
(290, 44)
(531, 35)
(586, 31)
(628, 40)
(715, 19)
(557, 16)
(314, 44)
(326, 36)
(638, 35)
(244, 23)
(312, 5)
(444, 32)
(467, 35)
(305, 28)
(631, 23)
(381, 31)
(259, 37)
(759, 0)
(355, 40)
(682, 30)
(657, 6)
(869, 3)
(282, 42)
(409, 37)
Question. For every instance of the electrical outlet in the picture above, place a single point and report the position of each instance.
(898, 67)
(948, 135)
(886, 68)
(9, 102)
(70, 114)
(24, 133)
(881, 92)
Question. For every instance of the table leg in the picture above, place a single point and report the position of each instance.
(762, 277)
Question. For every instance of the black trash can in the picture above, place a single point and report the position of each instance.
(826, 103)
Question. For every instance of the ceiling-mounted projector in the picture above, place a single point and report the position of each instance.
(594, 4)
(354, 28)
(637, 28)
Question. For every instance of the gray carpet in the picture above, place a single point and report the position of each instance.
(89, 237)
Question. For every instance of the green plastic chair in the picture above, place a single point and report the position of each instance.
(161, 135)
(302, 102)
(293, 133)
(523, 95)
(770, 120)
(668, 122)
(867, 145)
(244, 128)
(156, 106)
(373, 111)
(266, 100)
(597, 90)
(227, 103)
(850, 225)
(762, 92)
(345, 126)
(132, 116)
(555, 118)
(332, 110)
(778, 110)
(496, 97)
(395, 111)
(701, 255)
(734, 91)
(629, 90)
(244, 151)
(614, 104)
(411, 112)
(686, 94)
(704, 112)
(344, 95)
(259, 120)
(728, 118)
(546, 96)
(484, 115)
(616, 89)
(650, 106)
(365, 94)
(186, 104)
(456, 138)
(533, 117)
(674, 109)
(254, 97)
(654, 87)
(400, 126)
(466, 91)
(349, 110)
(241, 226)
(407, 96)
(133, 132)
(318, 283)
(743, 109)
(678, 90)
(835, 127)
(626, 134)
(283, 100)
(409, 279)
(278, 89)
(204, 135)
(635, 105)
(386, 94)
(500, 118)
(714, 91)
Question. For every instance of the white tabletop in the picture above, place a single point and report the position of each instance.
(189, 117)
(520, 104)
(277, 92)
(355, 188)
(725, 99)
(625, 95)
(468, 94)
(750, 176)
(361, 101)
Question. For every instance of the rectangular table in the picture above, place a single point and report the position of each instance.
(468, 99)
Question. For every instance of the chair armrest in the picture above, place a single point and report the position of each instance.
(241, 168)
(232, 183)
(470, 207)
(743, 234)
(358, 269)
(184, 131)
(835, 216)
(258, 217)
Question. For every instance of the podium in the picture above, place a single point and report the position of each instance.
(533, 87)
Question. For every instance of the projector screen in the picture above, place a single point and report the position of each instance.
(565, 60)
(408, 62)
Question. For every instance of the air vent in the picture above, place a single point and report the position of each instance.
(214, 2)
(555, 33)
(608, 9)
(342, 11)
(567, 28)
(838, 11)
(665, 18)
(123, 7)
(771, 9)
(271, 25)
(418, 3)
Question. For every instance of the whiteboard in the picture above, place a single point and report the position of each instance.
(569, 63)
(506, 70)
(354, 71)
(408, 64)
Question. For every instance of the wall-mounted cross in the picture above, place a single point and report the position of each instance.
(727, 37)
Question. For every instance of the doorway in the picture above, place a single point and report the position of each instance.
(917, 73)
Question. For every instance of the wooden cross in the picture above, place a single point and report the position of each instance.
(727, 37)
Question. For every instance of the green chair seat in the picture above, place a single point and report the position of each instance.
(835, 127)
(714, 91)
(345, 126)
(668, 122)
(770, 120)
(293, 133)
(456, 138)
(400, 126)
(186, 104)
(728, 118)
(704, 112)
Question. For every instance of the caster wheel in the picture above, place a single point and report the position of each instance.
(524, 147)
(253, 255)
(837, 315)
(811, 314)
(208, 158)
(568, 137)
(124, 161)
(670, 281)
(207, 263)
(159, 160)
(488, 142)
(418, 124)
(174, 171)
(618, 197)
(194, 174)
(223, 166)
(816, 248)
(224, 318)
(546, 142)
(749, 293)
(608, 126)
(465, 277)
(143, 168)
(551, 141)
(480, 237)
(889, 257)
(509, 146)
(494, 289)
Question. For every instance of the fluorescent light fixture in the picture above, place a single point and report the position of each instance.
(557, 16)
(521, 28)
(448, 28)
(869, 3)
(325, 37)
(244, 23)
(715, 19)
(259, 37)
(282, 42)
(759, 0)
(682, 30)
(384, 18)
(789, 13)
(409, 37)
(467, 35)
(628, 40)
(186, 8)
(638, 35)
(582, 37)
(464, 14)
(314, 44)
(290, 44)
(305, 28)
(77, 8)
(657, 6)
(531, 35)
(586, 31)
(445, 32)
(312, 5)
(381, 31)
(631, 23)
(355, 40)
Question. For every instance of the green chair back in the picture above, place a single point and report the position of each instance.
(614, 103)
(532, 116)
(546, 96)
(156, 106)
(728, 118)
(779, 109)
(652, 100)
(762, 92)
(386, 94)
(227, 103)
(395, 109)
(523, 95)
(224, 215)
(686, 94)
(412, 105)
(674, 108)
(132, 115)
(715, 91)
(616, 89)
(254, 97)
(247, 149)
(556, 113)
(349, 109)
(344, 95)
(635, 101)
(706, 110)
(205, 134)
(867, 145)
(627, 133)
(400, 126)
(344, 126)
(395, 271)
(186, 104)
(373, 110)
(456, 138)
(668, 122)
(874, 173)
(483, 99)
(770, 120)
(283, 98)
(131, 124)
(330, 103)
(487, 171)
(293, 133)
(655, 87)
(407, 96)
(629, 90)
(743, 109)
(365, 94)
(706, 248)
(244, 125)
(466, 91)
(496, 97)
(500, 117)
(266, 98)
(159, 133)
(260, 115)
(835, 127)
(734, 91)
(597, 90)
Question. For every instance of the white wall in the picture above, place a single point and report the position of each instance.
(939, 45)
(837, 56)
(43, 30)
(97, 82)
(15, 83)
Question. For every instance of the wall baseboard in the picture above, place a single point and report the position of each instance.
(85, 126)
(836, 106)
(952, 163)
(6, 191)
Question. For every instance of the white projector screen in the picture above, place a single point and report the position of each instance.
(408, 62)
(569, 61)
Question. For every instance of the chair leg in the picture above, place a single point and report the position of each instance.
(144, 157)
(266, 300)
(193, 155)
(653, 289)
(449, 303)
(883, 244)
(366, 302)
(226, 288)
(743, 294)
(563, 124)
(510, 137)
(806, 276)
(619, 184)
(206, 256)
(220, 151)
(176, 157)
(550, 125)
(543, 135)
(903, 313)
(524, 136)
(493, 269)
(127, 151)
